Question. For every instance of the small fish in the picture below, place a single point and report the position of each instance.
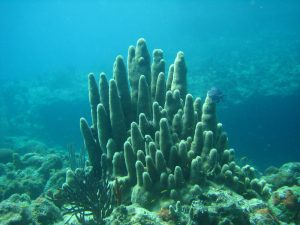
(164, 191)
(215, 95)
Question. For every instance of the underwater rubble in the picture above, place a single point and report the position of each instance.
(31, 173)
(156, 155)
(24, 181)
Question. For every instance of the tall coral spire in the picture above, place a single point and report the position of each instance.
(179, 80)
(120, 76)
(209, 116)
(157, 67)
(138, 63)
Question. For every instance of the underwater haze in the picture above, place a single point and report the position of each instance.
(157, 112)
(250, 50)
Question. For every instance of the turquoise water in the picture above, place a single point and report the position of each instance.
(248, 49)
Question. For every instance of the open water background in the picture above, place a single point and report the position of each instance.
(48, 48)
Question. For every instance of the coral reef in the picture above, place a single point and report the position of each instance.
(21, 210)
(285, 204)
(32, 174)
(287, 175)
(156, 155)
(158, 141)
(24, 144)
(215, 206)
(161, 152)
(29, 108)
(254, 68)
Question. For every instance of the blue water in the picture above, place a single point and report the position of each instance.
(265, 129)
(61, 41)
